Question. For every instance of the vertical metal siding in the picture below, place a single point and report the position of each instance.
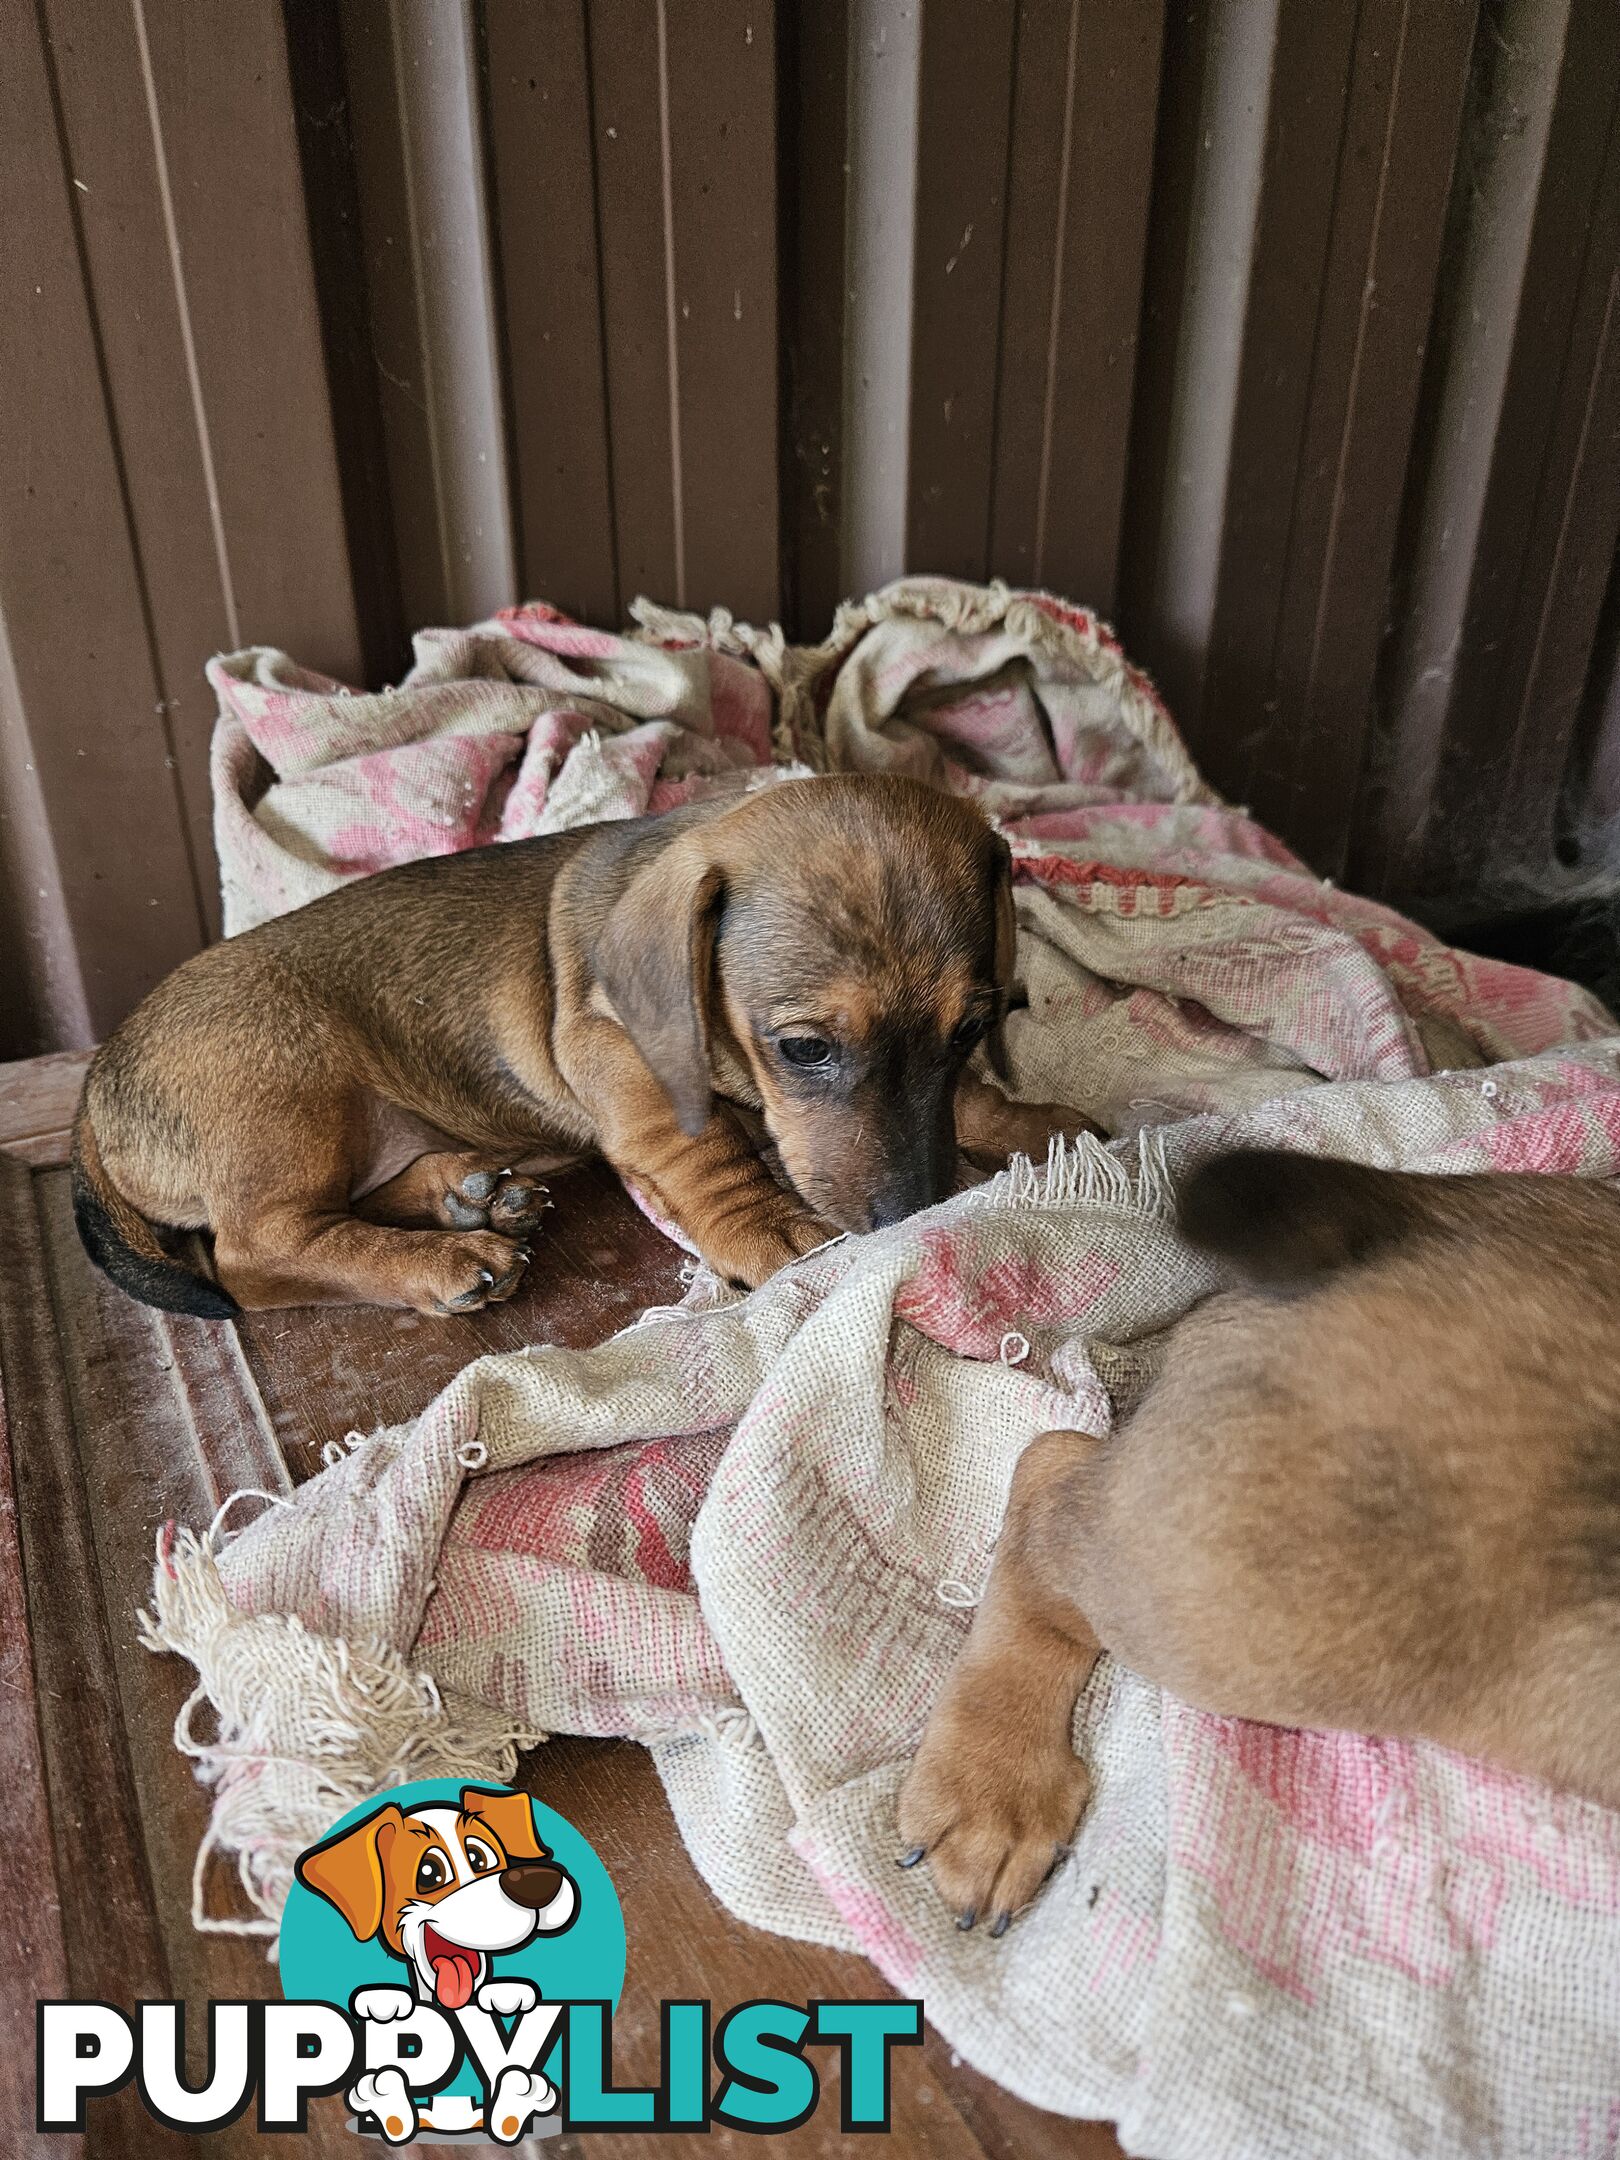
(1286, 335)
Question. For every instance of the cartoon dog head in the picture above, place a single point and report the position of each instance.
(444, 1888)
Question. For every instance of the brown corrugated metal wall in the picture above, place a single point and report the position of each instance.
(1281, 331)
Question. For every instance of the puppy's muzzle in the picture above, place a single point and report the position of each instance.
(919, 1169)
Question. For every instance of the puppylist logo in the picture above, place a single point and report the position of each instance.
(452, 1956)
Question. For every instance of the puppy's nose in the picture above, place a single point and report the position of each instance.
(533, 1883)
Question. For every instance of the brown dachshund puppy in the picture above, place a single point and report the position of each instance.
(1376, 1490)
(824, 953)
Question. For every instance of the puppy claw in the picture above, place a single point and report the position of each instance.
(1000, 1925)
(965, 1920)
(910, 1859)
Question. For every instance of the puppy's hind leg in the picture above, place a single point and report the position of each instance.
(290, 1255)
(284, 1233)
(997, 1790)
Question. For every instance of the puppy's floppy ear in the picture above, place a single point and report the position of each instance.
(347, 1870)
(655, 960)
(1006, 953)
(511, 1818)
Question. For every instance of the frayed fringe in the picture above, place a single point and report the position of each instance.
(1086, 1172)
(307, 1727)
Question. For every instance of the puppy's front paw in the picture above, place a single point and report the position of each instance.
(993, 1138)
(382, 2005)
(384, 2094)
(991, 1805)
(518, 2097)
(507, 1998)
(773, 1240)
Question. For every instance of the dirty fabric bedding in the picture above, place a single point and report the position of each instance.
(748, 1533)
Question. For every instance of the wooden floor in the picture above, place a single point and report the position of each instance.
(116, 1418)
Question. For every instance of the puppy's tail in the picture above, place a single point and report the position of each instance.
(121, 1241)
(1285, 1221)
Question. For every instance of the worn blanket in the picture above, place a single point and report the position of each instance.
(748, 1533)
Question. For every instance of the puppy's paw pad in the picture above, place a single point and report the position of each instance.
(507, 1998)
(518, 1204)
(381, 2005)
(385, 2095)
(518, 2097)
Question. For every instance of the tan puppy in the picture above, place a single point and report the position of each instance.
(1378, 1490)
(824, 953)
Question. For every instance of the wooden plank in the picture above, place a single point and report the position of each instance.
(144, 1456)
(1303, 143)
(639, 334)
(35, 1955)
(964, 96)
(1302, 753)
(1513, 529)
(325, 116)
(220, 107)
(413, 74)
(813, 63)
(1206, 187)
(719, 72)
(1085, 112)
(38, 1097)
(124, 215)
(114, 1951)
(74, 608)
(543, 217)
(684, 108)
(884, 62)
(1571, 538)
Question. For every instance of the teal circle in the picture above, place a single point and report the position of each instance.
(322, 1962)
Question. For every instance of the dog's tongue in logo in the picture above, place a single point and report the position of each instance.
(455, 1970)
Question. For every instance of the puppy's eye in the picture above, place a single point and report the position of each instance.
(433, 1872)
(969, 1032)
(479, 1857)
(806, 1051)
